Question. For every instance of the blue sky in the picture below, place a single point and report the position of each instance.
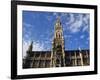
(39, 28)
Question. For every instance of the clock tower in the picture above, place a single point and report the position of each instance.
(58, 59)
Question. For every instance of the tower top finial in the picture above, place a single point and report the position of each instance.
(58, 22)
(58, 19)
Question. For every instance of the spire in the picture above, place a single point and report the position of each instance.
(30, 46)
(58, 45)
(58, 29)
(81, 57)
(58, 19)
(58, 23)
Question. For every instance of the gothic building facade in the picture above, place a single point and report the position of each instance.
(57, 57)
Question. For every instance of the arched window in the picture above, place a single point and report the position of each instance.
(58, 34)
(57, 61)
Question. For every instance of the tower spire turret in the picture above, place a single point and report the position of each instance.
(30, 46)
(58, 45)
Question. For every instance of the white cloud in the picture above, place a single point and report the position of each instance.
(80, 22)
(27, 30)
(27, 36)
(72, 19)
(76, 25)
(25, 47)
(37, 46)
(87, 40)
(55, 14)
(86, 18)
(86, 28)
(67, 36)
(82, 36)
(27, 24)
(86, 21)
